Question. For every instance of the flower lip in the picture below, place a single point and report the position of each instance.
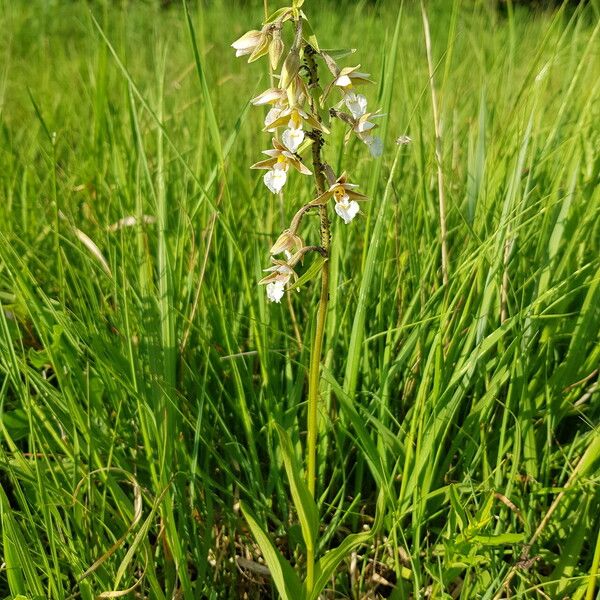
(292, 138)
(347, 209)
(275, 291)
(275, 179)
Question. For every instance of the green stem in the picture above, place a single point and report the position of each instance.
(317, 347)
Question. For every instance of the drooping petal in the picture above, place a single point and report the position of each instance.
(275, 179)
(292, 138)
(354, 195)
(261, 49)
(322, 199)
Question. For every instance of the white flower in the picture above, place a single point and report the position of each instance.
(275, 291)
(255, 43)
(279, 275)
(275, 178)
(292, 138)
(279, 161)
(346, 208)
(356, 103)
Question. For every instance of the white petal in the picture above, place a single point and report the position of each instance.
(267, 97)
(292, 138)
(275, 291)
(347, 210)
(275, 179)
(248, 41)
(363, 126)
(356, 103)
(343, 81)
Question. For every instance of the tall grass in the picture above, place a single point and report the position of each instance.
(142, 369)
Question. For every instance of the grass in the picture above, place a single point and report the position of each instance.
(142, 371)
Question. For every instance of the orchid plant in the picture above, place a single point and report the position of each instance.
(299, 116)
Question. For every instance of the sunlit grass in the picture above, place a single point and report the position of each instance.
(142, 370)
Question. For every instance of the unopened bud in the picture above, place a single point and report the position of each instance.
(287, 241)
(276, 48)
(291, 66)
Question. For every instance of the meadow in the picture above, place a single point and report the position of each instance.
(144, 376)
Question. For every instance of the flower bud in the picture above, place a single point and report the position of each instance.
(286, 242)
(291, 66)
(276, 48)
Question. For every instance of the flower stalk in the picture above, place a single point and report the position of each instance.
(298, 118)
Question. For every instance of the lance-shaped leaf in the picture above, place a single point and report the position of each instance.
(310, 273)
(306, 508)
(286, 580)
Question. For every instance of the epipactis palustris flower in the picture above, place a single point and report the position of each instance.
(255, 43)
(346, 197)
(277, 165)
(363, 127)
(294, 117)
(279, 276)
(356, 104)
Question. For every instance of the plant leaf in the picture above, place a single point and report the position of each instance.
(306, 508)
(284, 577)
(309, 274)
